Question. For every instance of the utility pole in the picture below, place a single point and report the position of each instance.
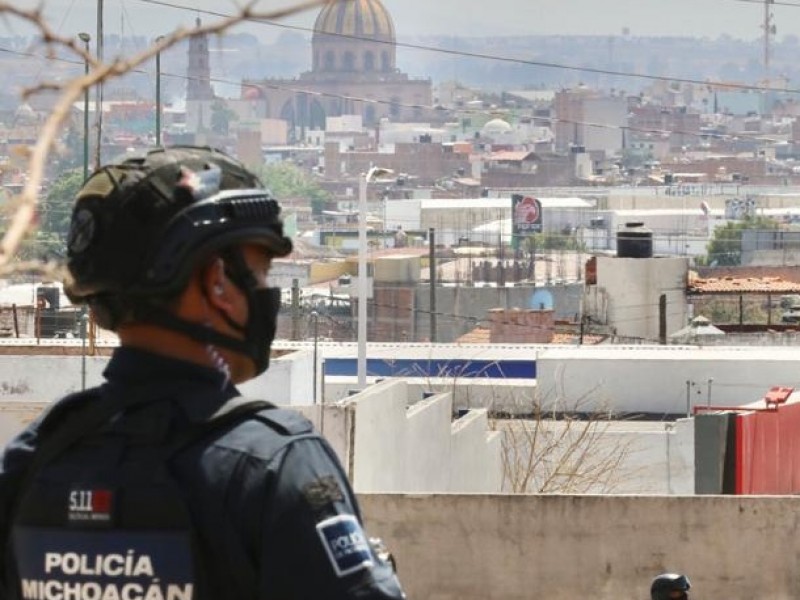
(769, 31)
(99, 97)
(432, 266)
(85, 38)
(295, 309)
(159, 40)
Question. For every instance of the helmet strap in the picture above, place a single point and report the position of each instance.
(196, 331)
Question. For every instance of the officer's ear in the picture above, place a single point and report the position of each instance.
(216, 286)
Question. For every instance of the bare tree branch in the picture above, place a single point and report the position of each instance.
(74, 89)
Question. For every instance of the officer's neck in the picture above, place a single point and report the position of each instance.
(158, 340)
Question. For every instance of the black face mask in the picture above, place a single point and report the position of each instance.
(263, 305)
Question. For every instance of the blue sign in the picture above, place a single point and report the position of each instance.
(421, 367)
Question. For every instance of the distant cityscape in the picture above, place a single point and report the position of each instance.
(683, 141)
(544, 297)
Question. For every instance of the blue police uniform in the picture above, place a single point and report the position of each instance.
(267, 492)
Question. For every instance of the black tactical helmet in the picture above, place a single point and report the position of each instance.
(669, 582)
(139, 227)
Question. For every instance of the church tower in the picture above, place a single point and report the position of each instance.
(198, 85)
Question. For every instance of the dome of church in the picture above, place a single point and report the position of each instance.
(495, 127)
(359, 18)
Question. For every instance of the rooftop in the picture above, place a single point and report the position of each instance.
(743, 285)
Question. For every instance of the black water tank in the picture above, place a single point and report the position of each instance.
(634, 241)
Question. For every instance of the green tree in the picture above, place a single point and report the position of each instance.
(49, 240)
(221, 117)
(725, 248)
(549, 240)
(56, 209)
(286, 180)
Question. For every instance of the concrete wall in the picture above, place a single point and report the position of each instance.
(26, 378)
(456, 305)
(600, 547)
(653, 379)
(14, 416)
(514, 396)
(288, 381)
(419, 449)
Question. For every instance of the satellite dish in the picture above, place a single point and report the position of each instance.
(541, 300)
(705, 207)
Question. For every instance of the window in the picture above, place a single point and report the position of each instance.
(369, 61)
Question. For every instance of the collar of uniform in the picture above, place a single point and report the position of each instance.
(202, 389)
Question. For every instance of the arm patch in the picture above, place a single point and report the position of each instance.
(345, 544)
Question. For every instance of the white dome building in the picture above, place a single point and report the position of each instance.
(496, 129)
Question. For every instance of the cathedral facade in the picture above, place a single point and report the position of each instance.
(353, 72)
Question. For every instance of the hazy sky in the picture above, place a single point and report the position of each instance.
(700, 18)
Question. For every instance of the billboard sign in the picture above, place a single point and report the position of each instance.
(527, 214)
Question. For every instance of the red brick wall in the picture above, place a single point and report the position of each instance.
(521, 326)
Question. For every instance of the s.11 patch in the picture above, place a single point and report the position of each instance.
(90, 506)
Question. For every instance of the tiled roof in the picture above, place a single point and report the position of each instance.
(744, 285)
(479, 335)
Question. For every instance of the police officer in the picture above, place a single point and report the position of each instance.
(172, 251)
(670, 586)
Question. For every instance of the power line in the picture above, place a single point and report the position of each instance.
(773, 2)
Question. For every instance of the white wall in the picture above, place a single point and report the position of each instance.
(26, 378)
(420, 449)
(404, 213)
(289, 380)
(598, 457)
(652, 379)
(633, 287)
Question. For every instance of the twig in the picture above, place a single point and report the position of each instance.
(74, 89)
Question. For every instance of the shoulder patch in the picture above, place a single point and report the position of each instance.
(323, 492)
(345, 544)
(285, 421)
